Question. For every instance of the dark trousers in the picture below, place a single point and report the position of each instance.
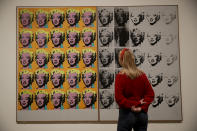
(129, 120)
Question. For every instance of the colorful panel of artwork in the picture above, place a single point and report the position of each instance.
(67, 60)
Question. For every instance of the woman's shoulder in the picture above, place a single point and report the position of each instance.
(121, 74)
(143, 75)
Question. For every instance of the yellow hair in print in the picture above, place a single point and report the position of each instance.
(42, 92)
(73, 51)
(73, 31)
(56, 71)
(89, 71)
(58, 92)
(89, 30)
(72, 71)
(26, 92)
(94, 95)
(74, 91)
(54, 11)
(41, 71)
(55, 51)
(40, 11)
(89, 10)
(27, 73)
(73, 11)
(25, 31)
(27, 11)
(43, 32)
(42, 51)
(27, 51)
(58, 31)
(87, 50)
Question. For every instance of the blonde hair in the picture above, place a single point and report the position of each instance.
(73, 31)
(58, 31)
(87, 50)
(89, 10)
(29, 52)
(43, 32)
(43, 12)
(42, 51)
(41, 71)
(74, 91)
(27, 11)
(25, 31)
(42, 92)
(89, 30)
(58, 92)
(28, 73)
(89, 71)
(94, 95)
(74, 71)
(26, 92)
(127, 61)
(56, 71)
(73, 11)
(52, 12)
(73, 51)
(55, 51)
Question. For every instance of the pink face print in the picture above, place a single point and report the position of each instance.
(56, 19)
(87, 79)
(72, 38)
(41, 40)
(40, 80)
(24, 101)
(25, 19)
(57, 100)
(56, 59)
(72, 99)
(25, 59)
(41, 19)
(56, 39)
(40, 59)
(72, 79)
(88, 99)
(40, 100)
(71, 18)
(72, 59)
(87, 59)
(25, 80)
(87, 38)
(56, 80)
(87, 18)
(25, 39)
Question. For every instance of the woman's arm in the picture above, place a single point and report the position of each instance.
(148, 94)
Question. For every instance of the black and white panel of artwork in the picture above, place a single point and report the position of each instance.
(151, 32)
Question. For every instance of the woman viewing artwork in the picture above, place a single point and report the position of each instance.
(133, 93)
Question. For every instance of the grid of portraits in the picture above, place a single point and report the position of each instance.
(57, 58)
(151, 32)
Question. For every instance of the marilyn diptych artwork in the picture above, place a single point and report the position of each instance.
(67, 60)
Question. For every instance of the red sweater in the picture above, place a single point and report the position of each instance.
(129, 92)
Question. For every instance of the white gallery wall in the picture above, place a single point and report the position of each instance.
(188, 62)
